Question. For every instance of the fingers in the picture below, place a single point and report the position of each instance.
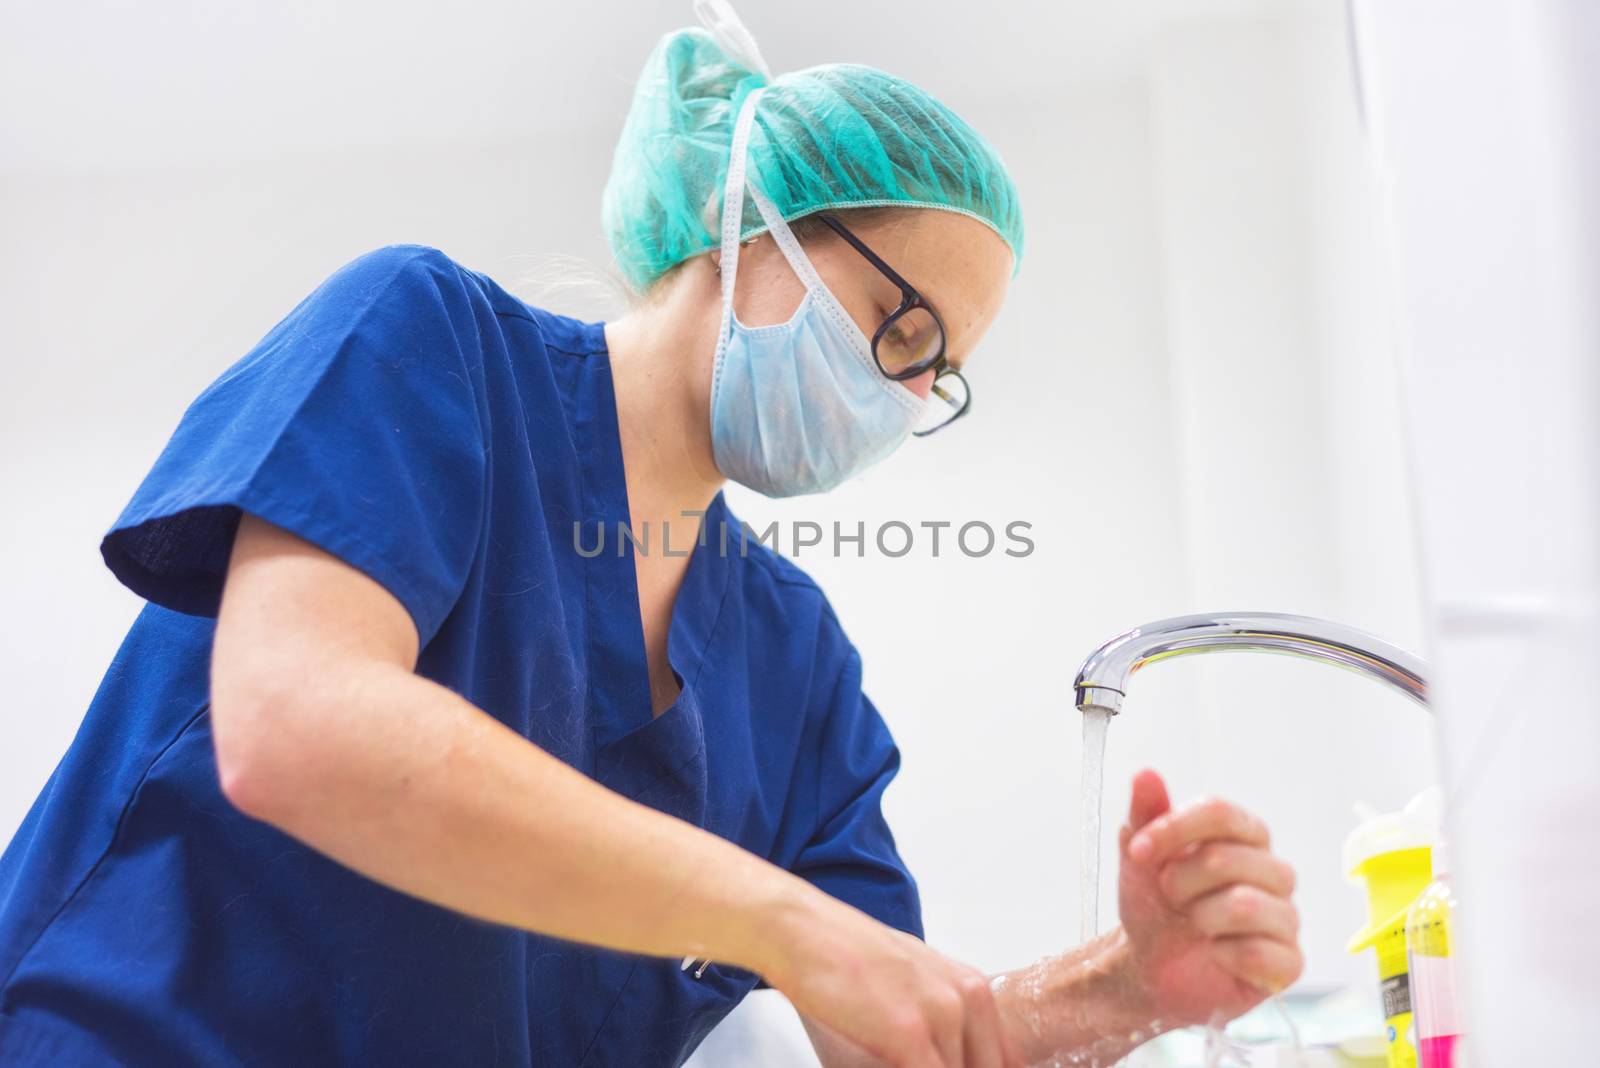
(983, 1046)
(923, 1055)
(1200, 821)
(1149, 799)
(966, 1028)
(891, 996)
(1245, 910)
(1210, 861)
(1217, 864)
(1263, 963)
(914, 1042)
(946, 1021)
(948, 1016)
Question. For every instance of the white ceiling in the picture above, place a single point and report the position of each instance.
(97, 84)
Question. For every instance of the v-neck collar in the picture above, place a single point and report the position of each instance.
(632, 743)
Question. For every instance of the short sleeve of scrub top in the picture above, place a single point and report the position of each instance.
(353, 424)
(415, 420)
(851, 853)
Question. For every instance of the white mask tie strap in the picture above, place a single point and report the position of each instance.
(733, 204)
(785, 239)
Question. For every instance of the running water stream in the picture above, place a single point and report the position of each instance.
(1095, 722)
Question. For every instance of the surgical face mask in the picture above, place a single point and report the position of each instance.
(801, 406)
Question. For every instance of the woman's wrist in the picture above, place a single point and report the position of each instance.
(777, 920)
(1087, 1001)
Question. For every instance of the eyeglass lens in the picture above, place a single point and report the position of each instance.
(910, 340)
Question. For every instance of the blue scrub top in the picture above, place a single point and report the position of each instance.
(417, 421)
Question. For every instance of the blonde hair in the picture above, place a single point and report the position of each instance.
(572, 285)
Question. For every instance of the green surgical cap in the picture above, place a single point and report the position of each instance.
(835, 136)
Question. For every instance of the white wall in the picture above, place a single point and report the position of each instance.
(1490, 150)
(1189, 396)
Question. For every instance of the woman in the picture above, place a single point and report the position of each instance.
(404, 764)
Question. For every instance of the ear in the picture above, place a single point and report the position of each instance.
(716, 253)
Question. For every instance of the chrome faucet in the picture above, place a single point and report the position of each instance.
(1103, 680)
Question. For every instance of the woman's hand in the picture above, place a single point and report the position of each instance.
(889, 993)
(1206, 908)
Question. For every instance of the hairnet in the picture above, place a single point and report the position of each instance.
(840, 135)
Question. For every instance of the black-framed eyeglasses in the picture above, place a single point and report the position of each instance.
(911, 342)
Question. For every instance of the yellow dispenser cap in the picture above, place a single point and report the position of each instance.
(1392, 856)
(1393, 881)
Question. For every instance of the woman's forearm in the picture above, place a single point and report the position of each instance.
(410, 784)
(1077, 1008)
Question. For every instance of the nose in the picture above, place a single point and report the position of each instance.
(922, 385)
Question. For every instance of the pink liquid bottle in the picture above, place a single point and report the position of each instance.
(1437, 1021)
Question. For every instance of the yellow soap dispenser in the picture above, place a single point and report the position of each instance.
(1391, 855)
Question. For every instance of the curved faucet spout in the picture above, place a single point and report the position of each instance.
(1103, 680)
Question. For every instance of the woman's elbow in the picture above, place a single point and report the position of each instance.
(258, 741)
